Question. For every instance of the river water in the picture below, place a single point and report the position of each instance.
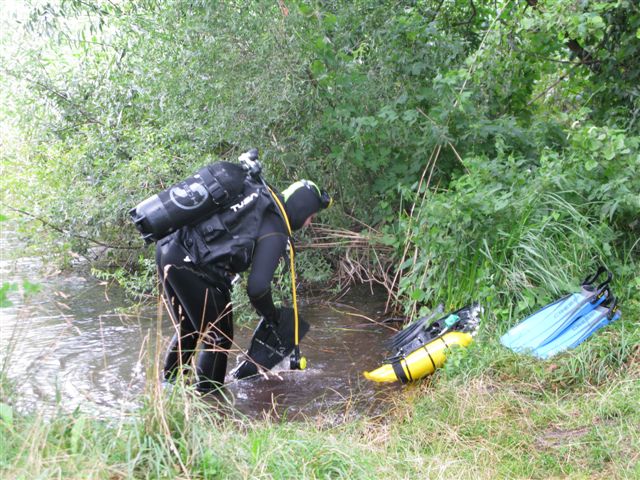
(76, 344)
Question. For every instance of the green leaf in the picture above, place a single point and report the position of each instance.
(305, 9)
(4, 291)
(6, 414)
(30, 288)
(527, 23)
(410, 116)
(317, 68)
(406, 264)
(596, 21)
(590, 165)
(417, 295)
(330, 20)
(76, 435)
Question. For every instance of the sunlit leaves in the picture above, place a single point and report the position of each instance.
(7, 288)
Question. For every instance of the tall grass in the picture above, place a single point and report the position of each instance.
(513, 244)
(488, 414)
(180, 436)
(176, 433)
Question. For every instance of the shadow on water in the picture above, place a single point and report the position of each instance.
(68, 347)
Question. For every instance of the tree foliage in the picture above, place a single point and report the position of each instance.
(494, 143)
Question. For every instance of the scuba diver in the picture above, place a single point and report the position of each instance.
(198, 262)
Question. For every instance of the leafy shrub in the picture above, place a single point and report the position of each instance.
(515, 228)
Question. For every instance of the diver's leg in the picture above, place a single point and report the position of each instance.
(216, 342)
(203, 312)
(207, 312)
(179, 352)
(184, 342)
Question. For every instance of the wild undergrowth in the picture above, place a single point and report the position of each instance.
(523, 231)
(487, 414)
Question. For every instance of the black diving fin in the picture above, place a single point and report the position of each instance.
(462, 320)
(271, 344)
(409, 333)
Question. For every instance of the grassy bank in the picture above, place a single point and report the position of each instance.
(488, 414)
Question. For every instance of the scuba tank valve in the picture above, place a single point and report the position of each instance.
(250, 163)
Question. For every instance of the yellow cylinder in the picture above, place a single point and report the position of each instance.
(422, 361)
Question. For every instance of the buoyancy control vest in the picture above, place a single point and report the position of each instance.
(214, 214)
(226, 239)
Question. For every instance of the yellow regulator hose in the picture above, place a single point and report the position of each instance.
(298, 362)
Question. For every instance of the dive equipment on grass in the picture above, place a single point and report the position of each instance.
(413, 331)
(422, 348)
(271, 343)
(211, 189)
(550, 321)
(581, 329)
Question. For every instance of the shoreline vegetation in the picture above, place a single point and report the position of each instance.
(489, 413)
(476, 151)
(485, 424)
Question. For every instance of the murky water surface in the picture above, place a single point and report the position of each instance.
(70, 346)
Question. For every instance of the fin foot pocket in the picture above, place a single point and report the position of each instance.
(271, 344)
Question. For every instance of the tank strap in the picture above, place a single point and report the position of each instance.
(399, 371)
(433, 364)
(213, 186)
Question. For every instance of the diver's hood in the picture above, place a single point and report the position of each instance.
(301, 200)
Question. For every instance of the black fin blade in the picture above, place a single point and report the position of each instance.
(270, 344)
(406, 335)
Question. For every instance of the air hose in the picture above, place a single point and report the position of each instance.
(250, 160)
(297, 362)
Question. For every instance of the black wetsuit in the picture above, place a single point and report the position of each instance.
(200, 303)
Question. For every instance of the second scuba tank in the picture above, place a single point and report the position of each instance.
(202, 194)
(422, 348)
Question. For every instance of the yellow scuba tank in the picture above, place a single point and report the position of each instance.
(421, 348)
(421, 362)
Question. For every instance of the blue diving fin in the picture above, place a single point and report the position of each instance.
(581, 329)
(547, 323)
